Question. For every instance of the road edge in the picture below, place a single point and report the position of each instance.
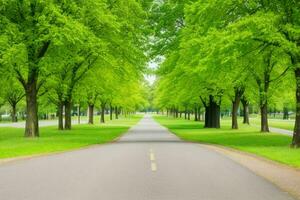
(284, 177)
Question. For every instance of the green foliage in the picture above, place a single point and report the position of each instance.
(69, 51)
(225, 45)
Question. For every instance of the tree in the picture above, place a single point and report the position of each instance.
(13, 95)
(34, 30)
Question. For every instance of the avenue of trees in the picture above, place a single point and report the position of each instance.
(56, 56)
(60, 57)
(228, 54)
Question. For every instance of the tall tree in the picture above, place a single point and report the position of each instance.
(38, 28)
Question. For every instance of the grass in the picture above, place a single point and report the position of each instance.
(13, 143)
(268, 145)
(276, 123)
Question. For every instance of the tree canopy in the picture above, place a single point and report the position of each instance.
(230, 51)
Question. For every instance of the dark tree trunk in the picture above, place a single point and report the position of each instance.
(180, 114)
(102, 117)
(91, 113)
(32, 122)
(296, 135)
(245, 103)
(189, 115)
(14, 112)
(263, 102)
(199, 114)
(196, 114)
(206, 118)
(234, 120)
(60, 112)
(212, 114)
(235, 106)
(116, 112)
(286, 113)
(264, 117)
(68, 115)
(111, 109)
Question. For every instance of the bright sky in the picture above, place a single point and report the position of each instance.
(151, 78)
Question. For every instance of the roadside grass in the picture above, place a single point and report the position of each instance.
(13, 143)
(268, 145)
(276, 123)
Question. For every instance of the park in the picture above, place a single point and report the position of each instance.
(149, 99)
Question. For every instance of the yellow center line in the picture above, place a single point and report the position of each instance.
(152, 159)
(153, 167)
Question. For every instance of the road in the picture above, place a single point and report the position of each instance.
(148, 163)
(281, 131)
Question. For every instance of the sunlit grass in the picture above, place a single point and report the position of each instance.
(276, 123)
(13, 143)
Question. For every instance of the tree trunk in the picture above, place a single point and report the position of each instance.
(189, 115)
(78, 113)
(264, 118)
(102, 120)
(296, 135)
(245, 110)
(32, 122)
(60, 112)
(111, 109)
(116, 112)
(286, 113)
(14, 112)
(196, 114)
(68, 115)
(263, 102)
(91, 113)
(212, 114)
(235, 106)
(234, 120)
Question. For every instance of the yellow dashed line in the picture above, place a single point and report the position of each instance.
(152, 159)
(153, 167)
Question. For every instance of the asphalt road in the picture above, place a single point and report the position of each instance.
(148, 163)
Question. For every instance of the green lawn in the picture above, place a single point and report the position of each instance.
(276, 123)
(247, 138)
(13, 144)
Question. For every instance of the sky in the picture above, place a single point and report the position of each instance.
(151, 78)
